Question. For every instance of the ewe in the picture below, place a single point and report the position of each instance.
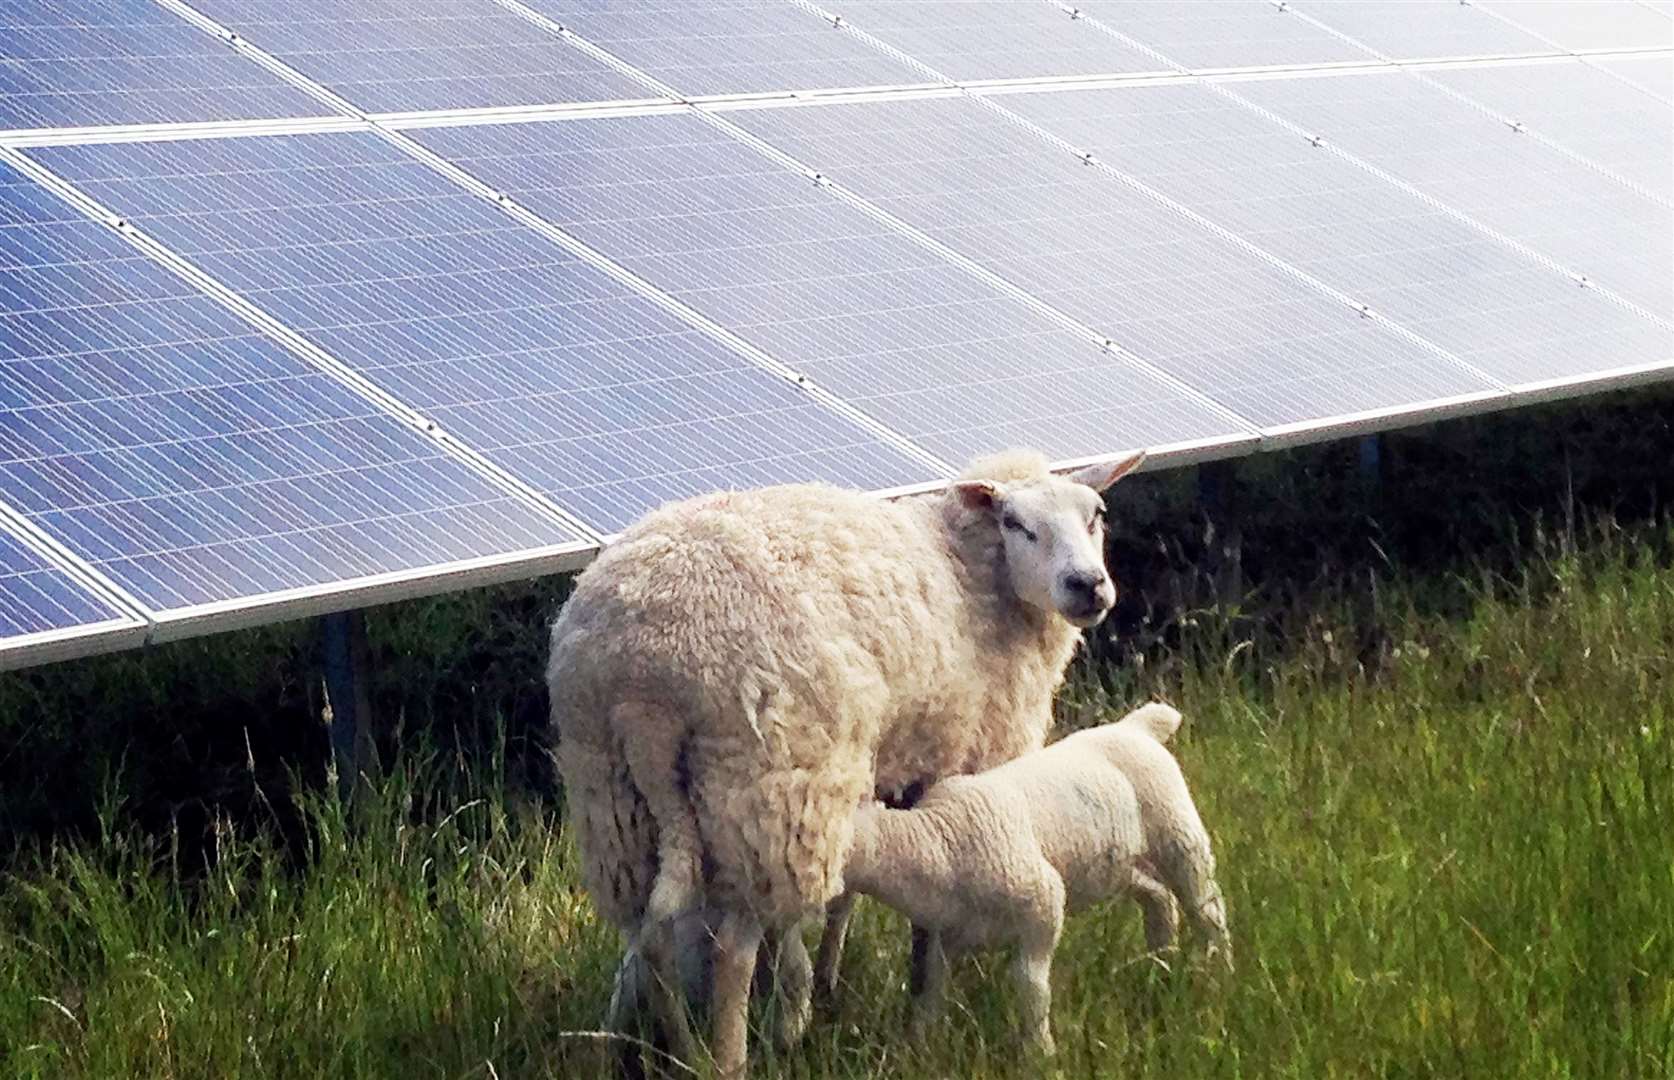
(1000, 857)
(740, 670)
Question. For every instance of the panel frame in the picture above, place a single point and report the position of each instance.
(126, 630)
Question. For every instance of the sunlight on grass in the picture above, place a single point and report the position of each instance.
(1455, 858)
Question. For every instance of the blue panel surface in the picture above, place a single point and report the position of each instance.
(1479, 165)
(729, 46)
(1217, 317)
(412, 55)
(570, 379)
(969, 40)
(1423, 29)
(1226, 34)
(73, 63)
(1652, 75)
(1506, 314)
(1584, 109)
(1589, 24)
(191, 460)
(37, 597)
(951, 362)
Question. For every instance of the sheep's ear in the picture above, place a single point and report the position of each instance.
(976, 494)
(1100, 476)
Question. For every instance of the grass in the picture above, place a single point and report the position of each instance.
(1451, 855)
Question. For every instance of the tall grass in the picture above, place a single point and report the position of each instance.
(1450, 856)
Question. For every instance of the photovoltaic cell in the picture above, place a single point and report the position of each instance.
(1585, 110)
(1217, 317)
(1477, 164)
(1223, 35)
(70, 63)
(1652, 74)
(413, 55)
(37, 597)
(1423, 29)
(557, 371)
(152, 433)
(1589, 24)
(951, 362)
(1502, 312)
(993, 39)
(729, 46)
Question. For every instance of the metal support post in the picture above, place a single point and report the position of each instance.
(1371, 461)
(343, 656)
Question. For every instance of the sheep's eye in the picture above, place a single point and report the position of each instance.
(1097, 520)
(1017, 526)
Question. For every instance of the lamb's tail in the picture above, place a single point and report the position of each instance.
(1155, 719)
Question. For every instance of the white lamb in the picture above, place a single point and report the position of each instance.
(1000, 857)
(740, 670)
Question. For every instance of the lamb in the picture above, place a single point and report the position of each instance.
(735, 674)
(999, 858)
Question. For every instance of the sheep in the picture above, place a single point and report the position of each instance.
(739, 669)
(999, 858)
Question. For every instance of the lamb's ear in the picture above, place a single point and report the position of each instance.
(975, 494)
(1100, 476)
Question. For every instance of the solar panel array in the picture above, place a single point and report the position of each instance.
(362, 299)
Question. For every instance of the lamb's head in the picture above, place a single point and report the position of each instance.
(1051, 531)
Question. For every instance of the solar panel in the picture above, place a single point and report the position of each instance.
(729, 46)
(70, 64)
(38, 599)
(1584, 109)
(1652, 74)
(969, 40)
(1505, 314)
(1483, 167)
(557, 371)
(1219, 318)
(415, 55)
(192, 461)
(942, 357)
(1589, 24)
(1423, 29)
(1203, 36)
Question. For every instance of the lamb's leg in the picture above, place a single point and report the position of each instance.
(736, 942)
(928, 980)
(1189, 867)
(793, 984)
(1209, 916)
(1162, 914)
(1032, 966)
(826, 963)
(1033, 971)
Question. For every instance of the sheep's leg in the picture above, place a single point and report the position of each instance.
(655, 766)
(830, 957)
(737, 941)
(1162, 914)
(1032, 965)
(928, 980)
(668, 1000)
(627, 1007)
(793, 981)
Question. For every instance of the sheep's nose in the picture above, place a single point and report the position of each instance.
(1087, 589)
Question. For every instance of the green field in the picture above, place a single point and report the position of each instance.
(1449, 852)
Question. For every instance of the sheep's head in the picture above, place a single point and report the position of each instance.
(1052, 532)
